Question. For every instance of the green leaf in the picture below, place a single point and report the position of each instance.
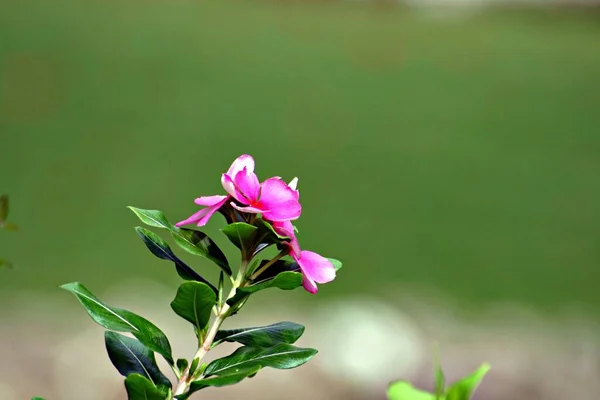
(281, 356)
(140, 388)
(440, 380)
(5, 264)
(262, 336)
(275, 269)
(151, 217)
(226, 379)
(464, 388)
(402, 390)
(192, 241)
(265, 227)
(130, 356)
(3, 207)
(161, 249)
(337, 264)
(120, 320)
(198, 243)
(285, 281)
(37, 398)
(241, 234)
(181, 364)
(194, 302)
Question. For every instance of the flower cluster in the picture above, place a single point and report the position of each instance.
(277, 202)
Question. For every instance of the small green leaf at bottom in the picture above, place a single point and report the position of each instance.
(402, 390)
(140, 388)
(464, 388)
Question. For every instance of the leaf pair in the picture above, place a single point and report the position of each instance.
(265, 346)
(460, 390)
(192, 241)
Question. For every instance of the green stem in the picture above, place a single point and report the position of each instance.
(268, 264)
(186, 378)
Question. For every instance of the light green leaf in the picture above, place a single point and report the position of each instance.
(281, 356)
(402, 390)
(194, 302)
(262, 336)
(117, 319)
(151, 217)
(464, 388)
(337, 264)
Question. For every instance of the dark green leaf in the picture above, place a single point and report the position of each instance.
(223, 380)
(161, 249)
(192, 241)
(5, 264)
(337, 264)
(281, 356)
(151, 217)
(405, 391)
(37, 398)
(3, 207)
(194, 302)
(262, 336)
(140, 388)
(120, 320)
(182, 364)
(276, 268)
(464, 388)
(266, 230)
(285, 281)
(130, 356)
(198, 243)
(241, 234)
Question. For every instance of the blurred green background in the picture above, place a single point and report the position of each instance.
(460, 152)
(451, 151)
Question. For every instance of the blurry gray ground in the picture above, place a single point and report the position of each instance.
(374, 341)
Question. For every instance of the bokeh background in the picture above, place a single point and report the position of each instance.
(448, 152)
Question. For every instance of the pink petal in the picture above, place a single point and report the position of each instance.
(201, 217)
(243, 161)
(285, 228)
(249, 210)
(210, 200)
(280, 200)
(309, 285)
(231, 188)
(248, 186)
(316, 267)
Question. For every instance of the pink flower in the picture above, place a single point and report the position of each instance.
(213, 203)
(273, 198)
(315, 268)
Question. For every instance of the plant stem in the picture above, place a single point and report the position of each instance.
(186, 378)
(268, 264)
